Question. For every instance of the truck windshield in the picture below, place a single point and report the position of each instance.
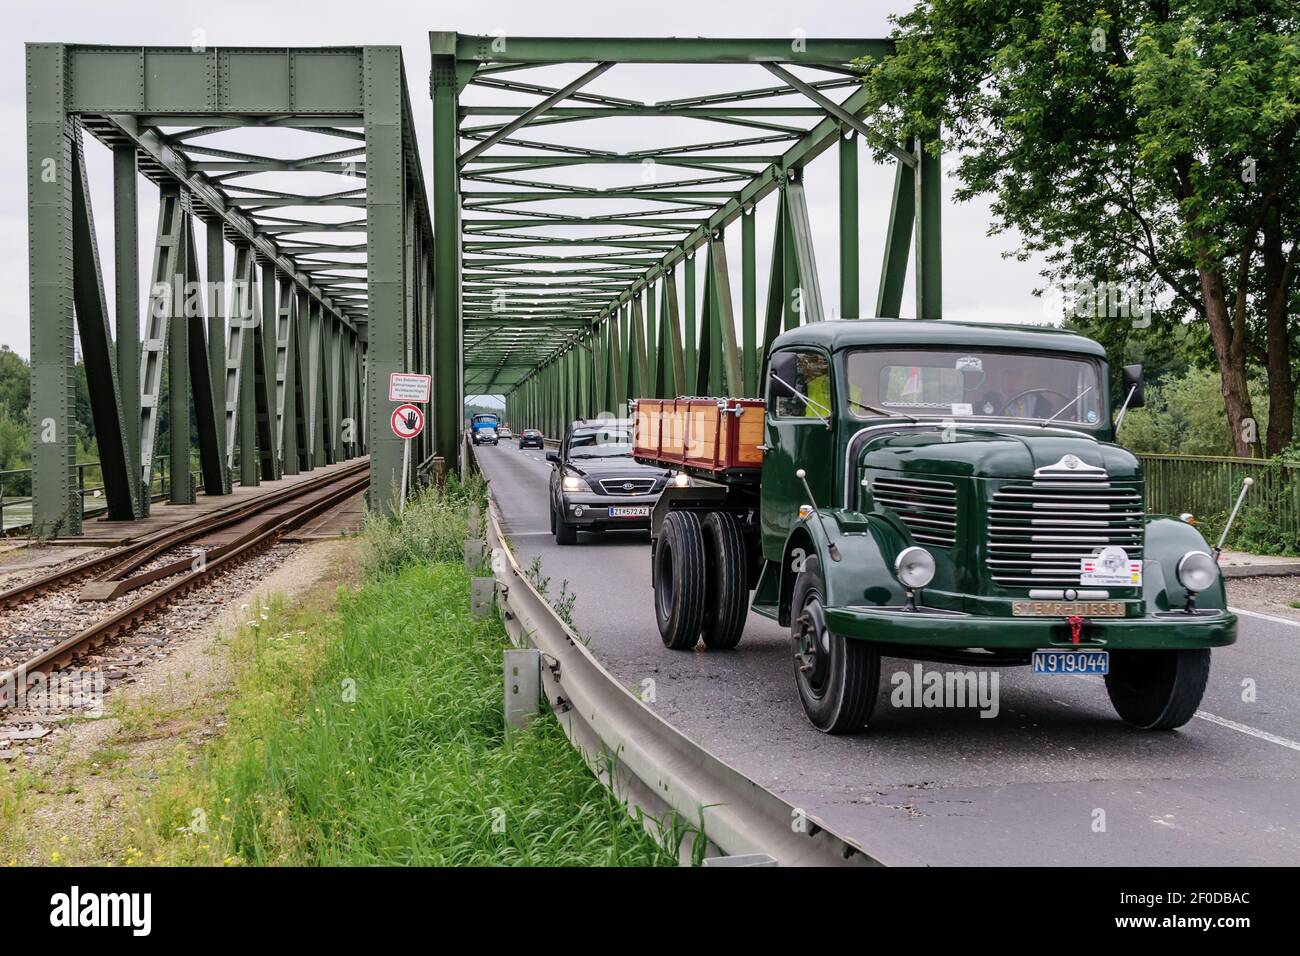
(952, 383)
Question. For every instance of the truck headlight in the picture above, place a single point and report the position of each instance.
(1197, 571)
(682, 480)
(914, 567)
(574, 483)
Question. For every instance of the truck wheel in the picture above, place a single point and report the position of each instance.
(1157, 690)
(565, 533)
(724, 557)
(680, 580)
(838, 678)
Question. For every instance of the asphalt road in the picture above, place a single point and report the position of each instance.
(1054, 778)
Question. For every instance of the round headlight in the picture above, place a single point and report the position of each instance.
(914, 567)
(1197, 571)
(682, 480)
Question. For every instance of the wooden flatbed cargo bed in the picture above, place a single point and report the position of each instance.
(717, 437)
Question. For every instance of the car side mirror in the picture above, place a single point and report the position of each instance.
(781, 373)
(1132, 381)
(553, 456)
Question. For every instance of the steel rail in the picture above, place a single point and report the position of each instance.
(16, 680)
(642, 758)
(145, 548)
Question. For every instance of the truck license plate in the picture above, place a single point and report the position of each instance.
(641, 511)
(1071, 662)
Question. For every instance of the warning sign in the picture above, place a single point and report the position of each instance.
(408, 421)
(409, 387)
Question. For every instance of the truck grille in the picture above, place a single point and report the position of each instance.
(927, 508)
(1038, 531)
(626, 486)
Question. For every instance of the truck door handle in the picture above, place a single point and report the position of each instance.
(762, 447)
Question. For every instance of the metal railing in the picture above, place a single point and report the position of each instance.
(1207, 486)
(16, 492)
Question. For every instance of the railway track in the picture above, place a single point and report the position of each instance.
(48, 622)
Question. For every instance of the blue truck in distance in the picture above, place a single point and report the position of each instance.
(483, 428)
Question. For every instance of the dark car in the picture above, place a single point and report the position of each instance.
(597, 486)
(530, 438)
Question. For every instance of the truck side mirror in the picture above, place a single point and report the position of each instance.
(553, 456)
(781, 373)
(1132, 380)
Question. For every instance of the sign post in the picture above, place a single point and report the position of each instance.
(407, 422)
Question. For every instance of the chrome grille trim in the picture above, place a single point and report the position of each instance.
(614, 486)
(927, 508)
(1038, 531)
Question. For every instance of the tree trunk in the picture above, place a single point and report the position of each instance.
(1230, 350)
(1281, 389)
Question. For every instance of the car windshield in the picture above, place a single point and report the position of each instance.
(605, 443)
(984, 384)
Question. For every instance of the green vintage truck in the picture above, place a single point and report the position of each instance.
(939, 491)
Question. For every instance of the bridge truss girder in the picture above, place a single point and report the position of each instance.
(573, 314)
(279, 368)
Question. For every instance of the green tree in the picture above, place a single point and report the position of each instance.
(1130, 143)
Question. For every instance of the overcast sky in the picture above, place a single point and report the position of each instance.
(979, 284)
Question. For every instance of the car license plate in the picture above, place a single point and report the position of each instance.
(642, 511)
(1071, 662)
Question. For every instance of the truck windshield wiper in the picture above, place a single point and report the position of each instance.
(1061, 411)
(883, 412)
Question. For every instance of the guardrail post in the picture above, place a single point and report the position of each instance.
(523, 686)
(482, 596)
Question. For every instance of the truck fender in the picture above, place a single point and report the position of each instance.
(1167, 539)
(863, 574)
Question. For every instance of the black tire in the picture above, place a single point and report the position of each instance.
(680, 581)
(552, 511)
(838, 678)
(726, 568)
(1157, 690)
(565, 533)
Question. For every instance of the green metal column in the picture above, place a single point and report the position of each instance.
(652, 346)
(126, 269)
(207, 414)
(246, 356)
(180, 488)
(447, 329)
(691, 341)
(386, 277)
(121, 480)
(217, 305)
(264, 364)
(929, 240)
(893, 269)
(750, 358)
(291, 401)
(849, 277)
(56, 506)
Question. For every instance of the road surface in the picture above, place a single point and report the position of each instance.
(1054, 778)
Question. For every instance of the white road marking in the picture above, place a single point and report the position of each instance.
(1264, 617)
(1245, 729)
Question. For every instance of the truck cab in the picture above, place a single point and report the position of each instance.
(951, 492)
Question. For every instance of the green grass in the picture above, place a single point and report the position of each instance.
(374, 735)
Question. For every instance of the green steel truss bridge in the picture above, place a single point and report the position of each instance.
(553, 264)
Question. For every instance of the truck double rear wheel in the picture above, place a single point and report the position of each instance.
(727, 601)
(680, 580)
(1158, 690)
(838, 678)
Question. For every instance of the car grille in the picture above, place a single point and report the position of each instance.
(927, 508)
(635, 486)
(1038, 531)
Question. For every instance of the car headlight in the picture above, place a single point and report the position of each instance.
(682, 480)
(914, 567)
(574, 483)
(1197, 571)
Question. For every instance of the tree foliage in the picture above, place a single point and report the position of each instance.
(1130, 143)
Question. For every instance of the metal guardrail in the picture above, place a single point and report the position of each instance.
(643, 759)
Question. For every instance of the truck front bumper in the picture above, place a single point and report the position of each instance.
(927, 627)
